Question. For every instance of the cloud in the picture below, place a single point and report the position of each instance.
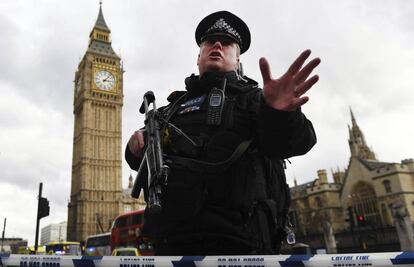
(35, 147)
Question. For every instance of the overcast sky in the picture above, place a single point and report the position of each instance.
(367, 56)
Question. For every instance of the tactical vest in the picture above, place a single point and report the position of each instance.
(265, 193)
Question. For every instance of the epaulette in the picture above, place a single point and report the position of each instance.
(244, 84)
(175, 95)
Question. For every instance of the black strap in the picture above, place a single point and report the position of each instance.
(209, 167)
(260, 183)
(270, 208)
(174, 107)
(264, 231)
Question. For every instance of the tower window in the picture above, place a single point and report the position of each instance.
(387, 186)
(318, 201)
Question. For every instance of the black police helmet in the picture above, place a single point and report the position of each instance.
(224, 23)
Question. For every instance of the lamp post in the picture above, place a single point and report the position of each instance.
(2, 235)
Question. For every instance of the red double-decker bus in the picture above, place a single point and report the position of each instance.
(127, 232)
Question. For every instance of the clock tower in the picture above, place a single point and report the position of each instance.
(96, 188)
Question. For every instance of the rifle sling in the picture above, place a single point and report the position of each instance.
(199, 165)
(205, 166)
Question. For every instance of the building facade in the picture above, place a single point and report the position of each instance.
(11, 245)
(363, 197)
(97, 196)
(53, 232)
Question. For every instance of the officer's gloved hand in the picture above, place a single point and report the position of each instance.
(287, 92)
(136, 143)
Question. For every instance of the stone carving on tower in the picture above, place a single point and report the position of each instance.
(96, 188)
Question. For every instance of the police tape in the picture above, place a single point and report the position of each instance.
(320, 260)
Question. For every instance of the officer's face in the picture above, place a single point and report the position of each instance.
(218, 54)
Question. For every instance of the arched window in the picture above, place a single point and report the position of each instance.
(387, 186)
(364, 201)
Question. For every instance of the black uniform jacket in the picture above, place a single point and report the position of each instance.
(202, 208)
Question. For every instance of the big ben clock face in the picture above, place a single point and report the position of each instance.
(105, 80)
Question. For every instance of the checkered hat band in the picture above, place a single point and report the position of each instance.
(222, 26)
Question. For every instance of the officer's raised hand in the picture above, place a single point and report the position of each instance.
(286, 92)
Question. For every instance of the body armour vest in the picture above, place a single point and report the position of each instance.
(209, 205)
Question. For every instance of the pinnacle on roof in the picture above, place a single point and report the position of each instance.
(100, 37)
(357, 141)
(352, 117)
(130, 182)
(100, 21)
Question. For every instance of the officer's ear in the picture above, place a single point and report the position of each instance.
(238, 59)
(198, 59)
(238, 55)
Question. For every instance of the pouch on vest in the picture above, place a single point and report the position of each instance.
(271, 207)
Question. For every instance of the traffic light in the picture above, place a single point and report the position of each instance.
(350, 217)
(361, 219)
(43, 207)
(42, 211)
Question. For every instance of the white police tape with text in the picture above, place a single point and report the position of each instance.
(335, 260)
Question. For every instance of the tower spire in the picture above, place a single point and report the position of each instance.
(100, 21)
(352, 118)
(100, 37)
(130, 181)
(357, 144)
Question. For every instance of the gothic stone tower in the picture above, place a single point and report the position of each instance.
(96, 189)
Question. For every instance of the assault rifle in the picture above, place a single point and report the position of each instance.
(152, 164)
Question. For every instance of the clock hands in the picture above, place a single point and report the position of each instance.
(107, 77)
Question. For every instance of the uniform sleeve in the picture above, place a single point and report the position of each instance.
(282, 134)
(132, 160)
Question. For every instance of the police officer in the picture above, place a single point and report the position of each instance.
(226, 124)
